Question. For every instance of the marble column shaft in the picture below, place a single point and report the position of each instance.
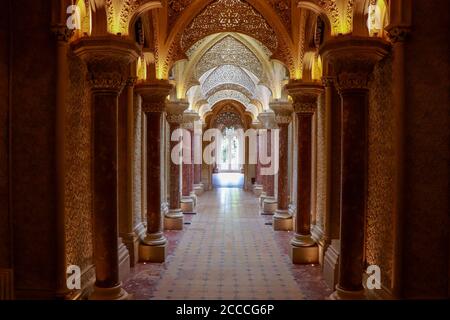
(153, 95)
(353, 59)
(258, 162)
(282, 192)
(175, 172)
(187, 171)
(304, 173)
(107, 62)
(269, 180)
(197, 167)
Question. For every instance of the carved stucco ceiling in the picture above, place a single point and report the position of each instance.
(175, 9)
(228, 95)
(228, 74)
(228, 86)
(283, 10)
(229, 15)
(228, 118)
(229, 51)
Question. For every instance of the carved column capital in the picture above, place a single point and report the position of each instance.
(283, 112)
(189, 117)
(328, 81)
(267, 120)
(62, 33)
(352, 59)
(304, 95)
(131, 81)
(154, 95)
(398, 33)
(107, 60)
(175, 111)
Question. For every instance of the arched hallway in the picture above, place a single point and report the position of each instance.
(228, 251)
(112, 128)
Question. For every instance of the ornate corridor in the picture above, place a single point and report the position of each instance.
(227, 252)
(121, 121)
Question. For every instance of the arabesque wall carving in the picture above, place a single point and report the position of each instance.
(231, 51)
(229, 15)
(78, 195)
(379, 223)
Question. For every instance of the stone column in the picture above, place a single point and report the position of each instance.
(282, 220)
(189, 199)
(62, 35)
(126, 218)
(107, 60)
(258, 187)
(398, 32)
(333, 155)
(267, 199)
(198, 150)
(154, 94)
(352, 59)
(304, 250)
(174, 219)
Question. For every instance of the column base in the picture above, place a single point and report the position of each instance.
(341, 294)
(304, 252)
(199, 189)
(261, 199)
(282, 221)
(331, 264)
(269, 206)
(114, 293)
(153, 248)
(174, 220)
(124, 261)
(155, 254)
(187, 205)
(193, 196)
(257, 189)
(131, 241)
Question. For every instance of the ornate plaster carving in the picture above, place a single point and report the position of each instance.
(231, 51)
(229, 15)
(228, 95)
(228, 74)
(283, 10)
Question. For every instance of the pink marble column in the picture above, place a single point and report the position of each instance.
(282, 220)
(189, 199)
(352, 59)
(107, 63)
(192, 173)
(174, 218)
(258, 187)
(304, 250)
(269, 180)
(198, 153)
(258, 179)
(154, 94)
(187, 184)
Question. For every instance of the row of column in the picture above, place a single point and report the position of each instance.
(349, 61)
(108, 64)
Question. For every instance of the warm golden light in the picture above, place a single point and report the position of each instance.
(141, 69)
(377, 18)
(316, 72)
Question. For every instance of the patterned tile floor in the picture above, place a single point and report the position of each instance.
(228, 252)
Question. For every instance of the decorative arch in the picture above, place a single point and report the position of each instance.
(284, 51)
(144, 6)
(205, 45)
(228, 75)
(229, 106)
